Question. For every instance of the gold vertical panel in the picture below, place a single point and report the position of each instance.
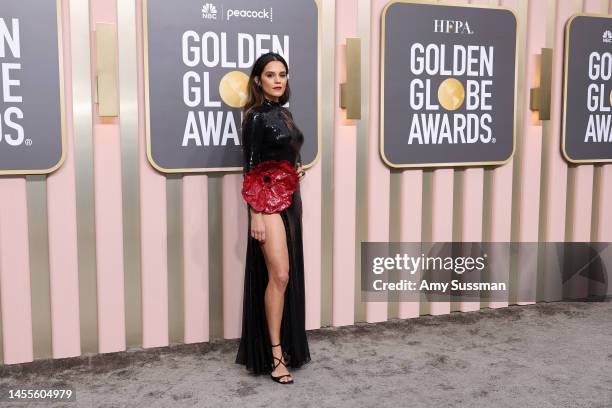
(215, 259)
(38, 239)
(597, 210)
(570, 204)
(522, 14)
(83, 155)
(487, 202)
(350, 92)
(395, 227)
(545, 83)
(457, 205)
(106, 69)
(130, 177)
(363, 126)
(427, 197)
(174, 211)
(327, 110)
(551, 15)
(540, 97)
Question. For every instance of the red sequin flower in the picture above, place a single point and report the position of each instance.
(270, 185)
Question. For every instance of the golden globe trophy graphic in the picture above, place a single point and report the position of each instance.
(451, 94)
(233, 88)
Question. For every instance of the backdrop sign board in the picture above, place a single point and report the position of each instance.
(448, 88)
(199, 55)
(587, 135)
(31, 109)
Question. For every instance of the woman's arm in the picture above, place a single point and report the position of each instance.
(252, 132)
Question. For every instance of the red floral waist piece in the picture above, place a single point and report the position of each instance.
(269, 186)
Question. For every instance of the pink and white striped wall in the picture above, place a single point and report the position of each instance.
(107, 254)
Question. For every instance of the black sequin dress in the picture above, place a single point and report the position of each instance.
(266, 136)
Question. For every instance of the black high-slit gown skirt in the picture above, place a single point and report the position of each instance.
(255, 349)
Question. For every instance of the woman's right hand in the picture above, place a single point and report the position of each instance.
(258, 227)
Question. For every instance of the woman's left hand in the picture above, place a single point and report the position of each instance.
(300, 171)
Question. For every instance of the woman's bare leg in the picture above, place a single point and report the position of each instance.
(277, 261)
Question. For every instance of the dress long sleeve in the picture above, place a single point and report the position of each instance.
(251, 142)
(252, 133)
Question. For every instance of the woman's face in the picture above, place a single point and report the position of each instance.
(274, 80)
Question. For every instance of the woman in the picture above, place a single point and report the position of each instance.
(273, 314)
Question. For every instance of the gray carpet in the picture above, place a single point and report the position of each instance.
(544, 355)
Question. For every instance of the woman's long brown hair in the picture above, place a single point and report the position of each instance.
(255, 94)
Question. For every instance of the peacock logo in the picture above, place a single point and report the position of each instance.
(607, 36)
(209, 11)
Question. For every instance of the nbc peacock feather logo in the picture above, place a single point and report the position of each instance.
(607, 36)
(209, 11)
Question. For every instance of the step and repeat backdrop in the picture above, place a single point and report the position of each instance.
(448, 74)
(129, 231)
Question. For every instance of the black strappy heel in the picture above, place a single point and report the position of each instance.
(278, 379)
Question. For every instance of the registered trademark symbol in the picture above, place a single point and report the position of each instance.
(493, 140)
(28, 142)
